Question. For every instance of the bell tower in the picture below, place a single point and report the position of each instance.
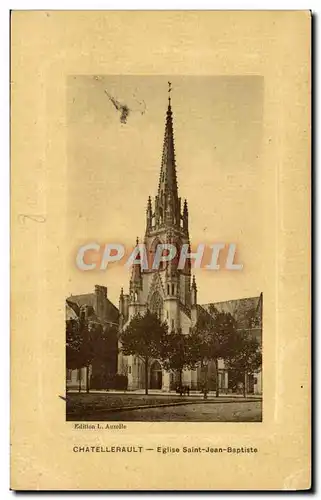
(167, 222)
(165, 290)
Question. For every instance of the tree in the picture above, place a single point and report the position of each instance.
(79, 345)
(246, 358)
(176, 354)
(144, 337)
(105, 350)
(212, 339)
(92, 329)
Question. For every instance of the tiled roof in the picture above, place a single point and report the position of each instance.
(89, 299)
(247, 312)
(86, 299)
(72, 310)
(241, 309)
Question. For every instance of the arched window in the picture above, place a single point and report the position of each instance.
(156, 305)
(151, 256)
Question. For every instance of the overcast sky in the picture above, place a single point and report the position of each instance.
(113, 167)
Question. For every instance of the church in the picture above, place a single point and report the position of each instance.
(169, 292)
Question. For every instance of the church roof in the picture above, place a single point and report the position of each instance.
(247, 312)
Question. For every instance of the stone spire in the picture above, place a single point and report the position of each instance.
(168, 178)
(167, 203)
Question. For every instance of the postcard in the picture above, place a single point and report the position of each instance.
(160, 250)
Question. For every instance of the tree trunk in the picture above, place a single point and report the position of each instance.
(217, 379)
(79, 379)
(244, 384)
(146, 376)
(87, 378)
(180, 382)
(205, 380)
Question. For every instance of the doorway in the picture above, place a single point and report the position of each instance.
(156, 377)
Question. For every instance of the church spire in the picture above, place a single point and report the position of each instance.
(167, 203)
(168, 178)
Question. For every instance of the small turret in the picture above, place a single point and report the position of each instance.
(136, 283)
(121, 302)
(193, 292)
(149, 215)
(194, 310)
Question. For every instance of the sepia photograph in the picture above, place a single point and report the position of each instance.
(160, 250)
(164, 320)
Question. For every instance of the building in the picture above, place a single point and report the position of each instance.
(97, 308)
(169, 292)
(248, 316)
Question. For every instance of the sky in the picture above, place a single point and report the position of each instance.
(113, 167)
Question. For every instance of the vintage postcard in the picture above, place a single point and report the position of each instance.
(160, 250)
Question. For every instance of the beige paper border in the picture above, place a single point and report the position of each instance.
(47, 46)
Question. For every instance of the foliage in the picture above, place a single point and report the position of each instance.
(176, 354)
(120, 382)
(212, 338)
(78, 344)
(144, 337)
(246, 358)
(88, 339)
(247, 355)
(73, 344)
(105, 347)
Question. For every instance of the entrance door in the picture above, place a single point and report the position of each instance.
(156, 376)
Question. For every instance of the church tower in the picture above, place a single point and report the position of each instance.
(167, 290)
(167, 222)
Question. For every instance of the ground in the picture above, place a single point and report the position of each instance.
(206, 412)
(161, 408)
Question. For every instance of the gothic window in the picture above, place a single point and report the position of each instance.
(152, 253)
(173, 289)
(175, 260)
(168, 292)
(156, 304)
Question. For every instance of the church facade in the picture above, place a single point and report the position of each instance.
(169, 292)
